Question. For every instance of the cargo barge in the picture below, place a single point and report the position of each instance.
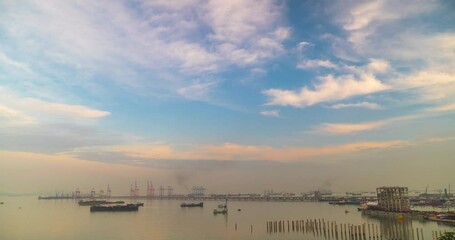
(201, 204)
(116, 208)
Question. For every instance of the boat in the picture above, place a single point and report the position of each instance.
(97, 202)
(116, 208)
(222, 209)
(368, 206)
(201, 204)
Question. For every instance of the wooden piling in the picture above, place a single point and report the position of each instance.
(336, 231)
(372, 232)
(421, 233)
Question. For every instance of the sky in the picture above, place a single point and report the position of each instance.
(237, 96)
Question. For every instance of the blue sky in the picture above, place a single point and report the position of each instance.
(169, 85)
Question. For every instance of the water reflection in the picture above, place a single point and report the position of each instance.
(396, 227)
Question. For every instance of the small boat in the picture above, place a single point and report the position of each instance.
(222, 209)
(201, 204)
(139, 204)
(116, 208)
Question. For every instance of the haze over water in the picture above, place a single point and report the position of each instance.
(29, 218)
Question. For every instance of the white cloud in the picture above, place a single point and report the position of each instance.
(316, 63)
(271, 113)
(373, 106)
(363, 19)
(347, 128)
(423, 53)
(63, 109)
(378, 65)
(431, 84)
(174, 39)
(37, 108)
(330, 88)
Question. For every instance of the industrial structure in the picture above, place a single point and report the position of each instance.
(198, 191)
(393, 199)
(134, 192)
(150, 189)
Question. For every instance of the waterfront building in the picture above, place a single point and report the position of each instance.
(393, 199)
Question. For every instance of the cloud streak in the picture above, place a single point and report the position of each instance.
(237, 152)
(346, 128)
(271, 113)
(373, 106)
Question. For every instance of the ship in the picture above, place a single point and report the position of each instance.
(57, 196)
(97, 202)
(201, 204)
(116, 208)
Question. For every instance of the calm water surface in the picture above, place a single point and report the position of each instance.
(30, 218)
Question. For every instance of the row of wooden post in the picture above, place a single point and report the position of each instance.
(436, 234)
(333, 230)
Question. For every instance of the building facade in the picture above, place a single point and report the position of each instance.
(393, 199)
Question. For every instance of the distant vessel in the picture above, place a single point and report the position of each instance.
(97, 202)
(201, 204)
(222, 209)
(56, 197)
(116, 208)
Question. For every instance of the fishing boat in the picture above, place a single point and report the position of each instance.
(222, 209)
(116, 208)
(201, 204)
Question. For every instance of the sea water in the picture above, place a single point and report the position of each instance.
(29, 218)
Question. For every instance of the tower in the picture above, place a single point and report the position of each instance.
(108, 192)
(161, 189)
(136, 190)
(77, 194)
(92, 193)
(169, 191)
